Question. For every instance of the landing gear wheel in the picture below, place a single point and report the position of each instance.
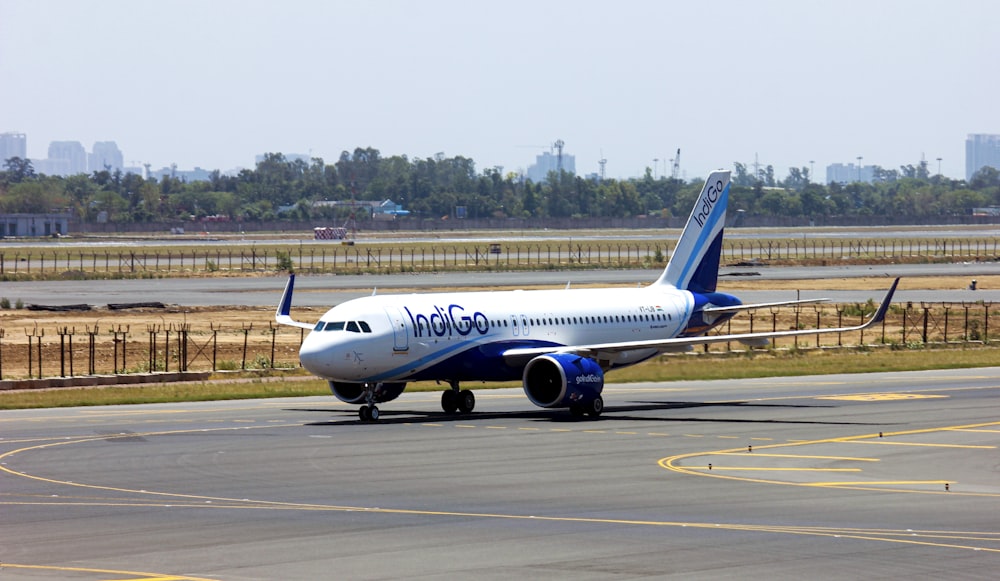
(595, 407)
(364, 413)
(466, 401)
(449, 401)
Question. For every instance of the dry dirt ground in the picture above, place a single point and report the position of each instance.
(101, 340)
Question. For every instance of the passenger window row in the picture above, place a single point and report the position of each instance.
(597, 320)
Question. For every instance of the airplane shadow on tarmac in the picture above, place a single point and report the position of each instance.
(614, 413)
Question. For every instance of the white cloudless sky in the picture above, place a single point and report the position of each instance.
(214, 83)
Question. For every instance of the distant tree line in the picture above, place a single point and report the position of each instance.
(434, 188)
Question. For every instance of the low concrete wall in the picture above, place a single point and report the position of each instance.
(94, 380)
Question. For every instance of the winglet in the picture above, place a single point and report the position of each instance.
(884, 307)
(282, 316)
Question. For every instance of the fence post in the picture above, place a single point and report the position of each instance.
(986, 322)
(215, 344)
(91, 350)
(274, 333)
(926, 309)
(63, 333)
(182, 347)
(246, 331)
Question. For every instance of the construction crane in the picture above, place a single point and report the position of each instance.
(676, 169)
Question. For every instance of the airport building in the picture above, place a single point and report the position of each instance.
(981, 150)
(34, 224)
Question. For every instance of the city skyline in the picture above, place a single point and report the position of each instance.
(70, 157)
(796, 85)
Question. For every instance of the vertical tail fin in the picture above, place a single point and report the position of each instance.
(694, 265)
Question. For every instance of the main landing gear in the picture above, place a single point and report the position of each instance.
(592, 409)
(368, 413)
(457, 399)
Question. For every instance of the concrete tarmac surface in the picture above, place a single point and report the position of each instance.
(850, 476)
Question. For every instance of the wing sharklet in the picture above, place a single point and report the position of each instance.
(282, 316)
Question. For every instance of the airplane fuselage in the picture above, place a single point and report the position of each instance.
(461, 336)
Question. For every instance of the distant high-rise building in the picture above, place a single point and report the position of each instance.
(105, 155)
(547, 162)
(66, 158)
(981, 150)
(13, 145)
(849, 173)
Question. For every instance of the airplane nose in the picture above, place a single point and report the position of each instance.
(314, 356)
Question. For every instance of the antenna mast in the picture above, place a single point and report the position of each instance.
(559, 147)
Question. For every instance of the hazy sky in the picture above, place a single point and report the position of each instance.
(213, 83)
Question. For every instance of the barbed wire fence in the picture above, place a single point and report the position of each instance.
(39, 351)
(320, 258)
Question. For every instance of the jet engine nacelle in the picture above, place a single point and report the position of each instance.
(562, 380)
(355, 392)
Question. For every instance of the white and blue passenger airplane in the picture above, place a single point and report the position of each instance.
(560, 343)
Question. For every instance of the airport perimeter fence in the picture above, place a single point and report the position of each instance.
(103, 349)
(326, 258)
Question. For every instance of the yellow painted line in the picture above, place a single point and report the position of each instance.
(774, 469)
(133, 575)
(851, 458)
(926, 538)
(673, 463)
(882, 483)
(926, 444)
(880, 396)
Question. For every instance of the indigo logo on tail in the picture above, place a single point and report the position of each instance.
(707, 202)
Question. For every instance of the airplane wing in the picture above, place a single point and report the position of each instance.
(677, 343)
